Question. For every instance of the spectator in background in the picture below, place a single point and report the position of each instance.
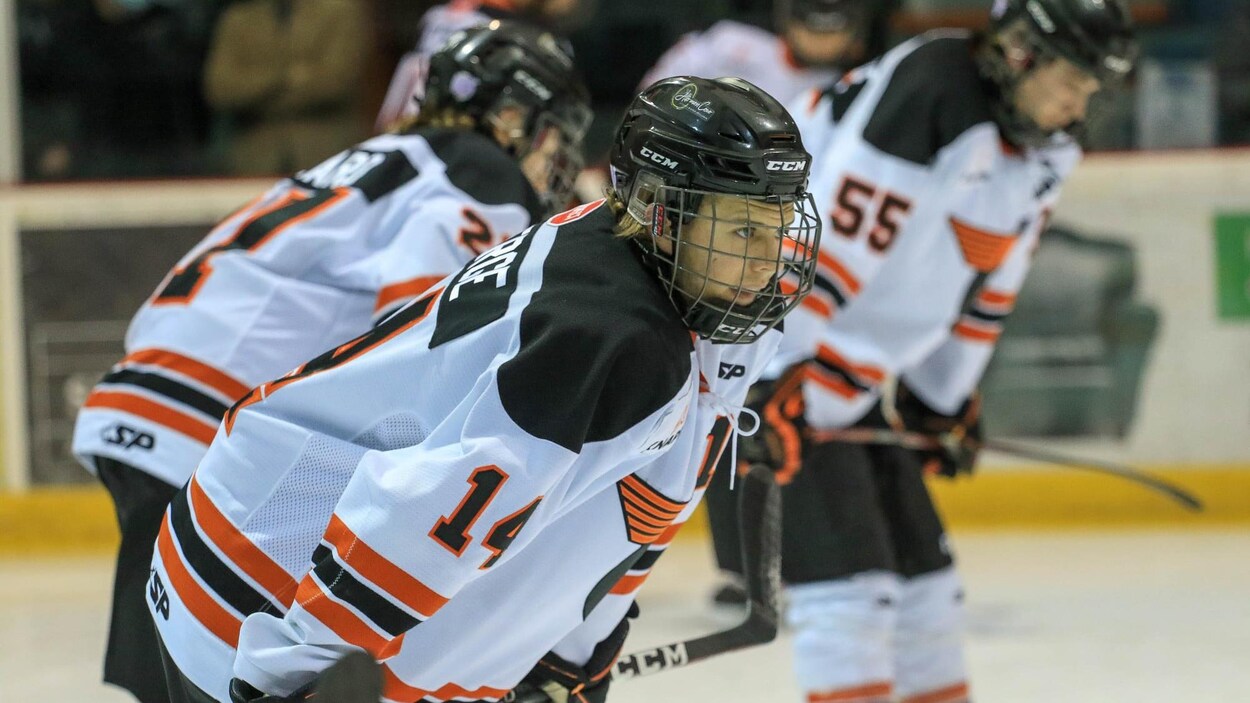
(111, 88)
(287, 72)
(439, 23)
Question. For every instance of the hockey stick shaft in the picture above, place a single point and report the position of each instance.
(915, 440)
(759, 508)
(1176, 493)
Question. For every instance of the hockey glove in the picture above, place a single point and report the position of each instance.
(556, 680)
(958, 436)
(780, 441)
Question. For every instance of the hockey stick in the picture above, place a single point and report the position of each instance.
(916, 440)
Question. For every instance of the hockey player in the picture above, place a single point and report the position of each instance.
(483, 480)
(440, 22)
(816, 41)
(939, 164)
(314, 262)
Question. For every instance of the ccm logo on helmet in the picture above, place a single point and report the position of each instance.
(659, 159)
(786, 166)
(533, 84)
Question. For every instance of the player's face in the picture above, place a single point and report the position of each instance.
(1055, 94)
(538, 163)
(542, 156)
(731, 251)
(823, 48)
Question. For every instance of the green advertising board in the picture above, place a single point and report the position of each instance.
(1232, 265)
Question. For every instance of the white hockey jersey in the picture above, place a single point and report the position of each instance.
(485, 477)
(311, 263)
(437, 25)
(730, 48)
(931, 223)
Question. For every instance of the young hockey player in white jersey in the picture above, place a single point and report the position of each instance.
(939, 164)
(816, 41)
(482, 481)
(404, 93)
(312, 263)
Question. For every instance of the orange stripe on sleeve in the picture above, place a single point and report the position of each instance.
(996, 298)
(405, 289)
(666, 537)
(629, 584)
(976, 334)
(867, 372)
(951, 694)
(246, 555)
(832, 384)
(216, 379)
(334, 615)
(202, 607)
(398, 583)
(878, 691)
(199, 430)
(839, 271)
(818, 306)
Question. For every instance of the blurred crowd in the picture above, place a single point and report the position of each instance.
(175, 88)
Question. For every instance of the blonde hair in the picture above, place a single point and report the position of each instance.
(626, 226)
(448, 117)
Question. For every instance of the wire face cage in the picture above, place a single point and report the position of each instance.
(734, 265)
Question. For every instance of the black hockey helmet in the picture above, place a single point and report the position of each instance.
(864, 20)
(482, 70)
(1096, 36)
(684, 139)
(827, 15)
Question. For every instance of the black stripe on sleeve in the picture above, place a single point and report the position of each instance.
(648, 560)
(832, 289)
(380, 610)
(609, 580)
(990, 317)
(216, 574)
(171, 389)
(843, 374)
